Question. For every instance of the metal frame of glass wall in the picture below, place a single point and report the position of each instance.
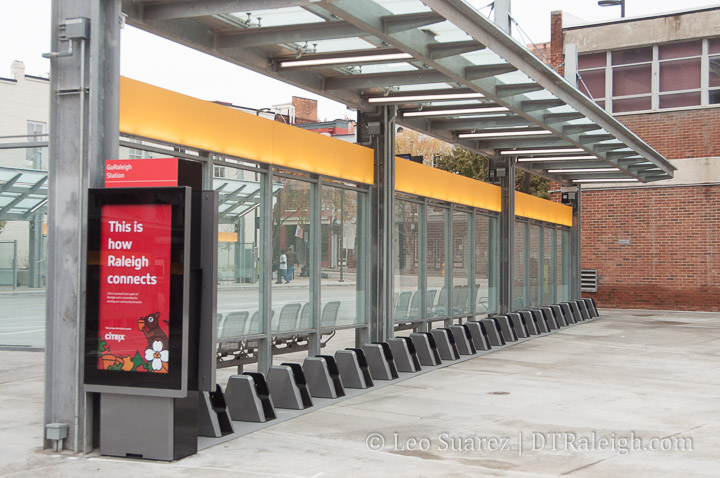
(317, 226)
(439, 247)
(542, 263)
(445, 264)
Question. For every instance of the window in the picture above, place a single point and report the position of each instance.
(680, 74)
(653, 78)
(714, 71)
(35, 157)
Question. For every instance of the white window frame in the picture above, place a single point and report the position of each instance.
(655, 93)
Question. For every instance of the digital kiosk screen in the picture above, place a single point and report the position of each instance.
(135, 314)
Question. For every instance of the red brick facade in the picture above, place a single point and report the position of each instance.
(656, 247)
(679, 134)
(306, 110)
(672, 260)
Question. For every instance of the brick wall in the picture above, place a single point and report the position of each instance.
(673, 258)
(557, 57)
(305, 110)
(679, 134)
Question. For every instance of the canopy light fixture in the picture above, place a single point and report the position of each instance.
(438, 97)
(345, 59)
(502, 134)
(517, 152)
(554, 158)
(584, 170)
(613, 180)
(464, 111)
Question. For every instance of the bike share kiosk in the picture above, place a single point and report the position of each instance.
(151, 306)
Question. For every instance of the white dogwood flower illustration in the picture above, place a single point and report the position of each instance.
(157, 355)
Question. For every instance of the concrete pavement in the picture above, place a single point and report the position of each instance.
(589, 401)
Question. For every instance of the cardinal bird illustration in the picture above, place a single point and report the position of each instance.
(150, 326)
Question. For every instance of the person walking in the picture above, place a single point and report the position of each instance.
(292, 261)
(284, 266)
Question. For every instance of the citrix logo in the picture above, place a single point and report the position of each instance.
(116, 337)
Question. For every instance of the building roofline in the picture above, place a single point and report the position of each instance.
(598, 23)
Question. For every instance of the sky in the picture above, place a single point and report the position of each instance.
(25, 36)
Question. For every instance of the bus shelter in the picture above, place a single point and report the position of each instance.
(415, 246)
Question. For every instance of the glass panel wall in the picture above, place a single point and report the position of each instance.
(438, 299)
(482, 265)
(342, 288)
(460, 263)
(563, 266)
(292, 252)
(533, 266)
(407, 261)
(493, 297)
(547, 265)
(239, 251)
(519, 267)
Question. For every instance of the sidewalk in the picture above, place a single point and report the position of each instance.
(631, 378)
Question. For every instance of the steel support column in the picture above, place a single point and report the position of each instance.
(84, 106)
(35, 253)
(379, 130)
(502, 15)
(314, 345)
(576, 246)
(505, 170)
(264, 352)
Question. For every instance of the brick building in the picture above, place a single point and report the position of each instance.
(657, 245)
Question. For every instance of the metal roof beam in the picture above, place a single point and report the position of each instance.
(10, 182)
(504, 91)
(434, 92)
(508, 143)
(537, 105)
(444, 50)
(545, 165)
(383, 80)
(368, 15)
(410, 21)
(477, 123)
(168, 11)
(22, 196)
(552, 118)
(201, 38)
(477, 72)
(616, 155)
(465, 17)
(605, 147)
(287, 34)
(570, 129)
(595, 138)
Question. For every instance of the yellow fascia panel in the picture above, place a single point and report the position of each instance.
(421, 180)
(540, 209)
(227, 236)
(157, 113)
(301, 149)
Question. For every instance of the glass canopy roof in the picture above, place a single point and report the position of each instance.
(23, 192)
(452, 73)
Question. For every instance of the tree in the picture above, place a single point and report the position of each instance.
(475, 166)
(465, 163)
(411, 142)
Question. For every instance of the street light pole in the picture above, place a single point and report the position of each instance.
(613, 3)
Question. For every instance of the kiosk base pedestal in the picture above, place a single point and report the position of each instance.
(172, 433)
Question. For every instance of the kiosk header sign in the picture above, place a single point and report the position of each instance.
(136, 333)
(141, 173)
